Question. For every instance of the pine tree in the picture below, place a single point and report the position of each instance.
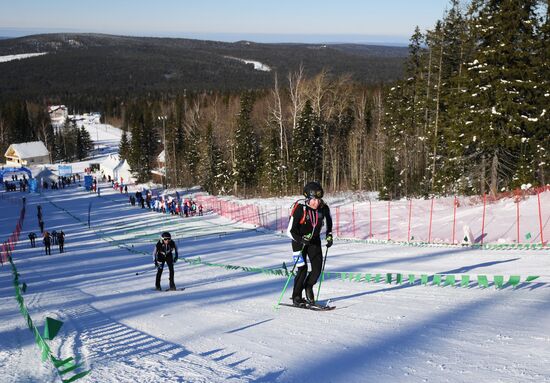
(206, 166)
(408, 105)
(84, 144)
(143, 144)
(498, 107)
(305, 146)
(124, 146)
(271, 167)
(247, 152)
(539, 140)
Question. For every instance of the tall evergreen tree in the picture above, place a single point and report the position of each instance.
(247, 152)
(84, 144)
(498, 106)
(143, 144)
(124, 146)
(271, 166)
(305, 146)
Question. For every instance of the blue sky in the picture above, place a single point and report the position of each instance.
(391, 21)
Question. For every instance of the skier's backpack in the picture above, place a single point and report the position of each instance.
(295, 206)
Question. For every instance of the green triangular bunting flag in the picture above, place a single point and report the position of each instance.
(51, 328)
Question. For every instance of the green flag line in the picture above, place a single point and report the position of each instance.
(50, 330)
(461, 280)
(489, 246)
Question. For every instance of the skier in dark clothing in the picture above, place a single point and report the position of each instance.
(41, 224)
(32, 238)
(304, 228)
(165, 251)
(61, 241)
(47, 243)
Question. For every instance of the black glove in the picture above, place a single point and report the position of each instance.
(306, 239)
(176, 259)
(156, 264)
(329, 240)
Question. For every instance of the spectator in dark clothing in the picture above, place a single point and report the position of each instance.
(32, 238)
(61, 241)
(47, 243)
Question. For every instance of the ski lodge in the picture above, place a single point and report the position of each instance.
(27, 154)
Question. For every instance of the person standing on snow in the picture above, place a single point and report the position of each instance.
(304, 228)
(165, 252)
(61, 241)
(32, 238)
(47, 243)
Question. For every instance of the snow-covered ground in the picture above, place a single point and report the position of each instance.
(257, 64)
(7, 58)
(223, 326)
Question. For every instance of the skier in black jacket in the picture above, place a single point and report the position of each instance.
(165, 251)
(304, 228)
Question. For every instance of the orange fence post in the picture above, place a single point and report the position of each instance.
(540, 219)
(518, 200)
(454, 219)
(338, 221)
(431, 216)
(353, 219)
(370, 219)
(389, 208)
(483, 219)
(410, 214)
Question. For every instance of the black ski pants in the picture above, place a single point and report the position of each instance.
(48, 249)
(170, 262)
(302, 280)
(61, 246)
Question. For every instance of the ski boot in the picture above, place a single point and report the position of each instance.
(299, 302)
(310, 296)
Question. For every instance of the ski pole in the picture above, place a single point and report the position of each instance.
(146, 271)
(288, 280)
(290, 276)
(322, 274)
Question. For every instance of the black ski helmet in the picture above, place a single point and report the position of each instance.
(166, 235)
(313, 190)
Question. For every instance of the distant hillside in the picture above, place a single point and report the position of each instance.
(95, 63)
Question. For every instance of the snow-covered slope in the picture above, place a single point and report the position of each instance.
(223, 327)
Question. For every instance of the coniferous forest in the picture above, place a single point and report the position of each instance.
(468, 116)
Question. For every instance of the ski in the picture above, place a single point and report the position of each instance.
(310, 307)
(178, 289)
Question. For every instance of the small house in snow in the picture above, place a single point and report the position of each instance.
(58, 114)
(27, 154)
